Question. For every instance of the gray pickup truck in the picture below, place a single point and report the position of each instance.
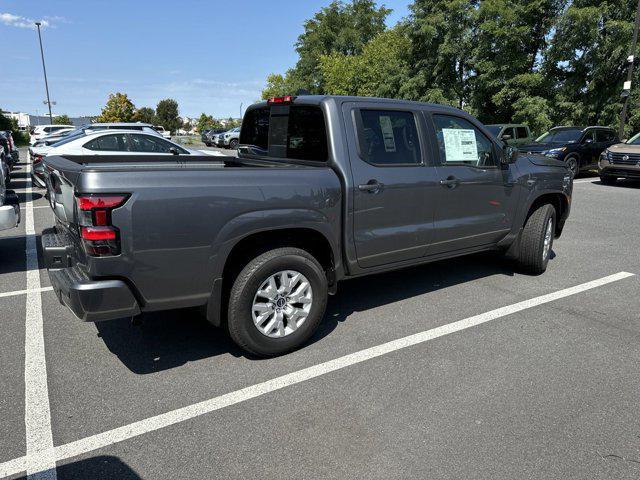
(324, 189)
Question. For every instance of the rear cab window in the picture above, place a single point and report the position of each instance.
(294, 132)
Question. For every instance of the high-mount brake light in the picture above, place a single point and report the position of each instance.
(281, 100)
(100, 238)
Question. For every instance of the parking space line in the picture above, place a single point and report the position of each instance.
(24, 292)
(40, 461)
(110, 437)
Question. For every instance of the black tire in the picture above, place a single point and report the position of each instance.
(573, 162)
(531, 257)
(608, 180)
(233, 144)
(240, 321)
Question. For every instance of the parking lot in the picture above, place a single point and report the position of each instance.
(458, 369)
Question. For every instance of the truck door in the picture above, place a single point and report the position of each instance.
(476, 198)
(393, 184)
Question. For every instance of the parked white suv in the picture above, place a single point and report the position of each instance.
(165, 134)
(42, 131)
(231, 138)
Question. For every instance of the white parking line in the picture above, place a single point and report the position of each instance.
(40, 458)
(101, 440)
(24, 292)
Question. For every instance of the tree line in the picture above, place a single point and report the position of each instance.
(539, 62)
(119, 108)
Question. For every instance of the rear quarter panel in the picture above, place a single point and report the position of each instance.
(178, 226)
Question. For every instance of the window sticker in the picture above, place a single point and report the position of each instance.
(460, 145)
(387, 133)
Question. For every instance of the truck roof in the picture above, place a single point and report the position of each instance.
(318, 99)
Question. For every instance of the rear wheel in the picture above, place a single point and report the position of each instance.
(233, 144)
(277, 302)
(608, 180)
(536, 240)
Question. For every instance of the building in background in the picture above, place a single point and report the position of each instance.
(26, 121)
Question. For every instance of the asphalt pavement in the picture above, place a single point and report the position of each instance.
(479, 380)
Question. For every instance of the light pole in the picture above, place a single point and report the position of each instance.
(626, 92)
(44, 69)
(241, 108)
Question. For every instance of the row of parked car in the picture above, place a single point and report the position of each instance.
(581, 148)
(40, 132)
(9, 205)
(221, 138)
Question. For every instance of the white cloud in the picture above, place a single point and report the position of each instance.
(19, 21)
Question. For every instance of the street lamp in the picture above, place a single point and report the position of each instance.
(44, 69)
(626, 89)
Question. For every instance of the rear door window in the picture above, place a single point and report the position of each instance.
(603, 136)
(522, 132)
(152, 144)
(388, 137)
(295, 132)
(109, 143)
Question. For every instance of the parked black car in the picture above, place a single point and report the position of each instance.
(10, 149)
(578, 147)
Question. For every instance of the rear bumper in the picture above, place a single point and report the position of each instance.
(90, 300)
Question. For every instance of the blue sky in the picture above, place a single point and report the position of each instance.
(209, 56)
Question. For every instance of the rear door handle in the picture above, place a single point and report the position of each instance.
(373, 186)
(450, 182)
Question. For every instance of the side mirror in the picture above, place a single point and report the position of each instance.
(505, 138)
(174, 150)
(587, 141)
(509, 155)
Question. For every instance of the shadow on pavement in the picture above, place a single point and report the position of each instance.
(12, 253)
(100, 467)
(164, 340)
(172, 338)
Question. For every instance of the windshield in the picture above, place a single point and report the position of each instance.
(635, 140)
(565, 135)
(494, 129)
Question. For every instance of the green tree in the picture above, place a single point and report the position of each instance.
(587, 60)
(167, 115)
(379, 71)
(62, 120)
(279, 85)
(343, 28)
(509, 41)
(145, 115)
(441, 41)
(118, 109)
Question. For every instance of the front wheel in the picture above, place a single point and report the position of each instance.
(536, 240)
(233, 144)
(572, 163)
(277, 302)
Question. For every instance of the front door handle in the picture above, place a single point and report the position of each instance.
(372, 186)
(450, 182)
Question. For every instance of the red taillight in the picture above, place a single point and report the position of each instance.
(281, 100)
(11, 145)
(94, 218)
(95, 234)
(37, 159)
(92, 202)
